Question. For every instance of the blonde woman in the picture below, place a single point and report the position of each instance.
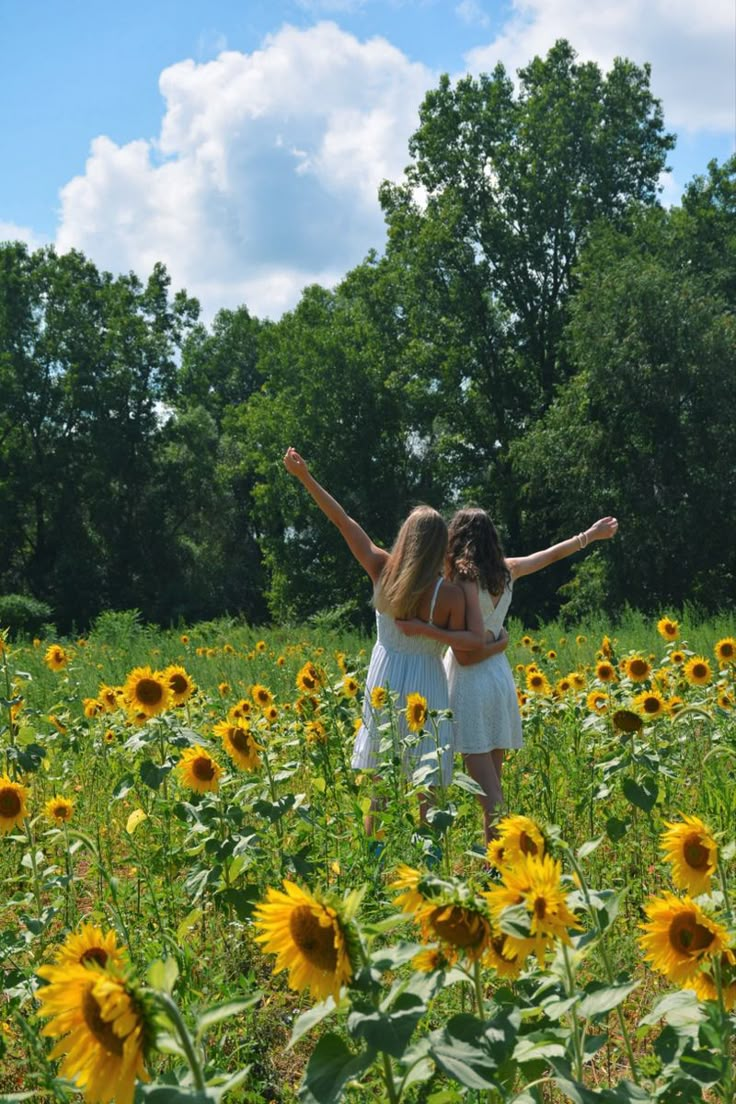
(407, 583)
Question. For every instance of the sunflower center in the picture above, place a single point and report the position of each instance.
(203, 769)
(689, 937)
(94, 954)
(315, 941)
(149, 691)
(695, 854)
(240, 739)
(527, 846)
(699, 670)
(178, 684)
(540, 908)
(726, 651)
(99, 1028)
(10, 803)
(638, 667)
(62, 812)
(457, 926)
(651, 705)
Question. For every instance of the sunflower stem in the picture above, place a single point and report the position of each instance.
(388, 1077)
(606, 965)
(576, 1041)
(34, 866)
(724, 888)
(478, 982)
(172, 1010)
(728, 1094)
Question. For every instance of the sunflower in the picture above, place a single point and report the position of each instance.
(675, 704)
(101, 1028)
(108, 695)
(239, 743)
(697, 671)
(147, 692)
(650, 704)
(261, 646)
(240, 710)
(496, 853)
(270, 714)
(597, 701)
(92, 707)
(59, 809)
(184, 638)
(13, 810)
(580, 639)
(501, 957)
(198, 770)
(90, 945)
(223, 689)
(309, 678)
(306, 705)
(181, 685)
(349, 686)
(679, 936)
(281, 661)
(637, 668)
(606, 648)
(725, 650)
(308, 937)
(379, 697)
(341, 661)
(693, 854)
(56, 659)
(725, 700)
(58, 725)
(261, 695)
(668, 629)
(706, 987)
(563, 687)
(315, 732)
(430, 959)
(537, 683)
(109, 736)
(552, 655)
(462, 928)
(534, 882)
(624, 720)
(519, 836)
(416, 712)
(678, 657)
(411, 899)
(527, 641)
(605, 671)
(227, 649)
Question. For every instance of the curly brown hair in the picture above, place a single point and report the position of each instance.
(474, 551)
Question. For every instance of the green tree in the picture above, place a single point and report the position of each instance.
(510, 185)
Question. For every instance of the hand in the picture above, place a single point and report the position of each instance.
(412, 627)
(295, 465)
(603, 529)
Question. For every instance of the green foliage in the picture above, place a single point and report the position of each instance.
(20, 613)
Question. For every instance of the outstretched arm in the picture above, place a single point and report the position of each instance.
(603, 529)
(368, 555)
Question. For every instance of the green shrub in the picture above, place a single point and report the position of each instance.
(22, 614)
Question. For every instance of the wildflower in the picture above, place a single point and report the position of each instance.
(147, 692)
(56, 659)
(538, 683)
(198, 770)
(92, 707)
(308, 937)
(350, 686)
(605, 671)
(679, 937)
(59, 809)
(90, 945)
(181, 685)
(697, 671)
(637, 668)
(261, 695)
(597, 701)
(668, 629)
(309, 678)
(239, 743)
(13, 809)
(379, 697)
(416, 712)
(692, 852)
(519, 836)
(534, 882)
(725, 650)
(650, 704)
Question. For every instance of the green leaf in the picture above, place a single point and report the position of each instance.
(471, 1051)
(390, 1031)
(329, 1069)
(311, 1018)
(589, 847)
(465, 782)
(163, 974)
(174, 1094)
(389, 958)
(152, 774)
(616, 829)
(643, 795)
(680, 1009)
(220, 1012)
(601, 999)
(123, 787)
(541, 1044)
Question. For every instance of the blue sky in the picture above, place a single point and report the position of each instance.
(242, 143)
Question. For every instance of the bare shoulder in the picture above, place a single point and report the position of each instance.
(451, 596)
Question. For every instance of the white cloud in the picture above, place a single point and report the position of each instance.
(10, 231)
(690, 46)
(471, 12)
(264, 177)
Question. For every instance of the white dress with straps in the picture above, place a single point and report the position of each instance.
(405, 665)
(483, 699)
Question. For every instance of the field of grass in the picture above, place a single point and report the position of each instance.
(192, 907)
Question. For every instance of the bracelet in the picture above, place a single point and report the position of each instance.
(582, 539)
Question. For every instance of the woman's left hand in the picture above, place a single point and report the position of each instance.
(411, 627)
(603, 529)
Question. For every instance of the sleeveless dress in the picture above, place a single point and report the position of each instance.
(483, 699)
(405, 665)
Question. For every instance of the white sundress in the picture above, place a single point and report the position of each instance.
(406, 665)
(483, 699)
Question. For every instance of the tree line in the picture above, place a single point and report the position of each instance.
(539, 336)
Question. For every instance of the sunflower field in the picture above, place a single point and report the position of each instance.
(192, 908)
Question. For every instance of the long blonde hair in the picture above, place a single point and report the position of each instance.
(414, 562)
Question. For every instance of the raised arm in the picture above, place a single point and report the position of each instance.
(603, 529)
(368, 555)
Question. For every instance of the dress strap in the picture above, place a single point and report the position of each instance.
(434, 600)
